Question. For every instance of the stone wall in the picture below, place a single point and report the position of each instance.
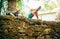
(24, 28)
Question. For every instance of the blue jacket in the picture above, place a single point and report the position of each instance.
(30, 15)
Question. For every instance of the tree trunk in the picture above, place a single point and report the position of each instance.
(11, 5)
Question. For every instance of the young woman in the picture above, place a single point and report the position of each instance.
(33, 12)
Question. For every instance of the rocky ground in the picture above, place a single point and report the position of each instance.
(24, 28)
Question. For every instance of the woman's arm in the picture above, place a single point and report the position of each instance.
(12, 14)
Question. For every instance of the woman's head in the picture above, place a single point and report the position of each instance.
(33, 10)
(17, 11)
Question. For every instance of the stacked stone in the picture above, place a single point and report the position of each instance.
(24, 28)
